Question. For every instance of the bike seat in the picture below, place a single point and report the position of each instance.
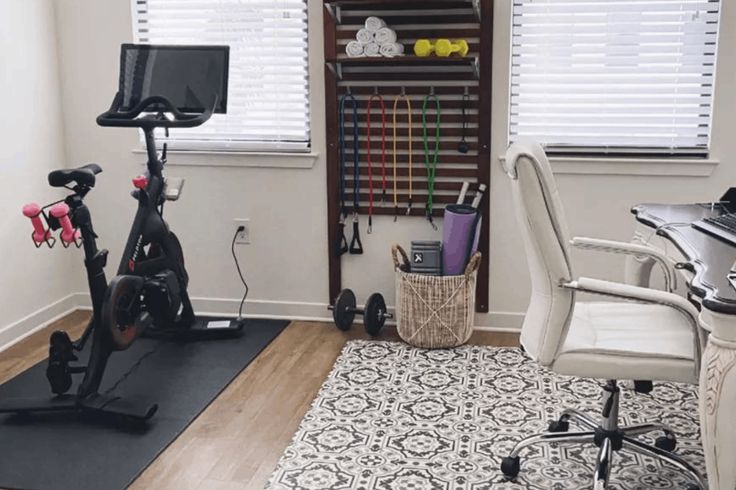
(84, 176)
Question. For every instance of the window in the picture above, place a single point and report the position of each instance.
(620, 76)
(268, 106)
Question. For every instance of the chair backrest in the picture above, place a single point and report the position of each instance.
(546, 240)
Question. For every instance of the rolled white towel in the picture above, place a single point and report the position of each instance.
(391, 50)
(372, 49)
(374, 23)
(354, 49)
(385, 35)
(364, 36)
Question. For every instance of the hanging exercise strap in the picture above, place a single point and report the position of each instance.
(356, 246)
(342, 245)
(377, 97)
(403, 97)
(431, 166)
(463, 147)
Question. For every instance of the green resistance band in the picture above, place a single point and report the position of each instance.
(431, 166)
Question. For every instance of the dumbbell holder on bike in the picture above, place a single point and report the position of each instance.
(150, 290)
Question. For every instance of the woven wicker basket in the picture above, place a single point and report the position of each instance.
(434, 311)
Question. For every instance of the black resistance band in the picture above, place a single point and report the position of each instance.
(356, 246)
(342, 244)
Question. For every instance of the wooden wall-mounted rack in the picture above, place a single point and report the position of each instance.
(451, 79)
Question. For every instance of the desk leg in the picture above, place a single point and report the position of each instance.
(718, 403)
(638, 270)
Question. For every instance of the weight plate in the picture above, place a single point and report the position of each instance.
(344, 312)
(375, 314)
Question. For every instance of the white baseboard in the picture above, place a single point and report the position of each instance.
(501, 321)
(281, 310)
(39, 319)
(83, 301)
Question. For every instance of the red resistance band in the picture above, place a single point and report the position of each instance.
(370, 158)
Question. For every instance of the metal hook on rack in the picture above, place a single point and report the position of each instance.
(476, 9)
(431, 90)
(375, 90)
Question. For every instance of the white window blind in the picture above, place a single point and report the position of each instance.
(268, 92)
(619, 76)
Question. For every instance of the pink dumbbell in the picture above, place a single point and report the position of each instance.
(40, 233)
(68, 233)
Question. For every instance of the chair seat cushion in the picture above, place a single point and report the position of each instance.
(628, 341)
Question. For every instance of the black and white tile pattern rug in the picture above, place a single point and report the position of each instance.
(394, 417)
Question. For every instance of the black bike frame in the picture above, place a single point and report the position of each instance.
(95, 261)
(150, 229)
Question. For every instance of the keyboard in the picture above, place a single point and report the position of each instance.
(723, 227)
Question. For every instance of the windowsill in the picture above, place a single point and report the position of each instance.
(672, 167)
(244, 159)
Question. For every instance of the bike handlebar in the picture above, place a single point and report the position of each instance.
(117, 118)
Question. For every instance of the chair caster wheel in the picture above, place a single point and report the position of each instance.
(559, 426)
(510, 467)
(666, 443)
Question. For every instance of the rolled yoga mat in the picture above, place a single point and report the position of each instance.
(460, 235)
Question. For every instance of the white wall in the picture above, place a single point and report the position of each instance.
(31, 145)
(287, 262)
(598, 205)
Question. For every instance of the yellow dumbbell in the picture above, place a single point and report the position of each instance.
(445, 47)
(442, 47)
(423, 47)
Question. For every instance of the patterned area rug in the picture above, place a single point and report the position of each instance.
(394, 417)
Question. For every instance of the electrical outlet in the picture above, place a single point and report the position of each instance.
(243, 237)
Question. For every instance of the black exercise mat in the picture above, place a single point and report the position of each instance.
(59, 451)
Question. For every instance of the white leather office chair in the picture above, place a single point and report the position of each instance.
(652, 335)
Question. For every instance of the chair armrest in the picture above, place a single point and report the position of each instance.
(625, 248)
(644, 295)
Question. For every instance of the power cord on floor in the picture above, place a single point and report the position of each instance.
(133, 368)
(240, 272)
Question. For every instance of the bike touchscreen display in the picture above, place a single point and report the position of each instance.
(190, 77)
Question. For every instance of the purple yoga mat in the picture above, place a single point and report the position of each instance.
(460, 226)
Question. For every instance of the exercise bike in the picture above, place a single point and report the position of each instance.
(149, 293)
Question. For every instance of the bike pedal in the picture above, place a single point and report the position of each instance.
(61, 348)
(59, 377)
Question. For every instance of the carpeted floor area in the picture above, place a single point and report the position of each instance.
(390, 416)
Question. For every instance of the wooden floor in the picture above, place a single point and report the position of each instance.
(239, 438)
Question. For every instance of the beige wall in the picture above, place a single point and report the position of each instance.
(287, 262)
(33, 282)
